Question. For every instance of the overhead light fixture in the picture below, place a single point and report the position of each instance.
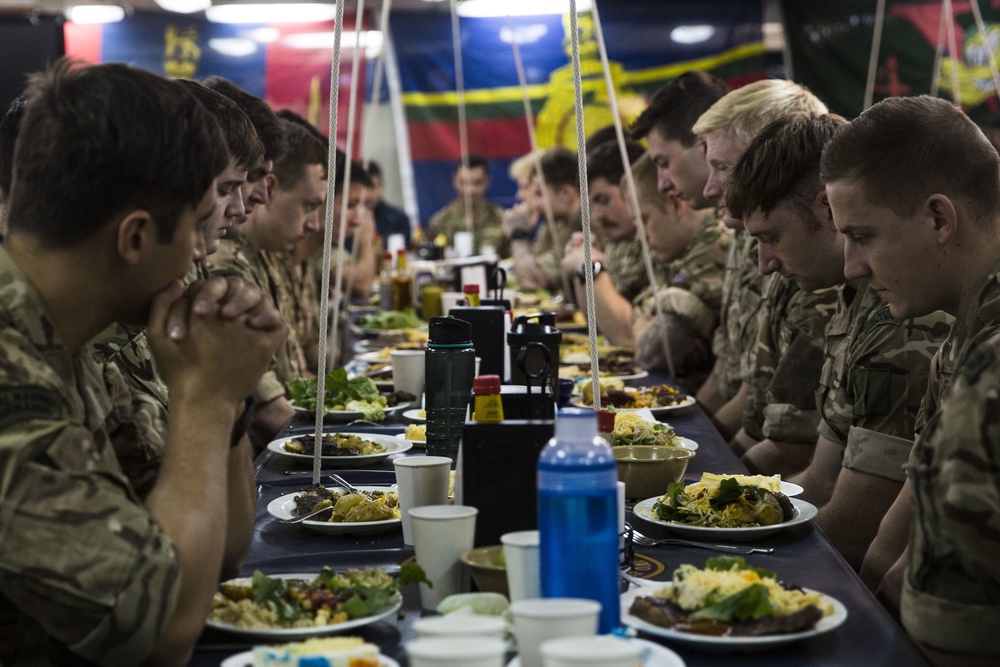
(95, 13)
(271, 13)
(692, 34)
(523, 34)
(184, 6)
(236, 47)
(371, 41)
(495, 8)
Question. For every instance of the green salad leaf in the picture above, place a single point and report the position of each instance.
(391, 319)
(412, 573)
(750, 603)
(737, 563)
(340, 391)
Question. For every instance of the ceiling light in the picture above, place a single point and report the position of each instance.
(494, 8)
(523, 34)
(95, 13)
(692, 34)
(236, 47)
(264, 35)
(271, 13)
(184, 6)
(371, 41)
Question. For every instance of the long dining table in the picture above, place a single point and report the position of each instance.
(802, 555)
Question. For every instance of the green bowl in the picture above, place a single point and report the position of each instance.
(647, 469)
(487, 573)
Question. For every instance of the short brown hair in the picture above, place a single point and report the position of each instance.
(904, 149)
(304, 149)
(560, 167)
(781, 166)
(241, 139)
(264, 121)
(104, 140)
(675, 107)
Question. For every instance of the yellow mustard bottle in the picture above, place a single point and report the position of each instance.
(488, 406)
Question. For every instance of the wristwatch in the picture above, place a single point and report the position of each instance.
(597, 269)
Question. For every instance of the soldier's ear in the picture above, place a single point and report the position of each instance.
(136, 232)
(941, 210)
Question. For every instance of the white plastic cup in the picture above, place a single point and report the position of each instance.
(450, 300)
(408, 371)
(590, 651)
(441, 534)
(538, 619)
(460, 625)
(456, 652)
(520, 552)
(462, 242)
(420, 480)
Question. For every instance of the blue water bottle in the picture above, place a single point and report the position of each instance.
(578, 516)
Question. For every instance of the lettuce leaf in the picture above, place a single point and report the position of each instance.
(751, 603)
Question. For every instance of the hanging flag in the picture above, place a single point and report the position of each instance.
(286, 65)
(830, 46)
(649, 42)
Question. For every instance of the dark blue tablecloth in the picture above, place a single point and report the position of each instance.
(802, 555)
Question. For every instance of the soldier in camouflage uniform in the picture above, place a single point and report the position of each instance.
(951, 594)
(295, 209)
(487, 217)
(537, 251)
(621, 255)
(913, 186)
(137, 425)
(87, 570)
(726, 128)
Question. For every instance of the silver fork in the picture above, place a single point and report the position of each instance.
(646, 541)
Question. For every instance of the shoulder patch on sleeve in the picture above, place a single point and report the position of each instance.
(27, 402)
(980, 359)
(880, 316)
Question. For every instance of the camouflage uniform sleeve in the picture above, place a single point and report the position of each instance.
(790, 413)
(950, 598)
(548, 256)
(489, 231)
(441, 223)
(887, 379)
(79, 554)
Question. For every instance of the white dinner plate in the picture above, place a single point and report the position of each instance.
(657, 412)
(414, 415)
(791, 489)
(416, 444)
(283, 506)
(347, 415)
(291, 634)
(804, 512)
(710, 642)
(374, 358)
(245, 659)
(653, 655)
(392, 446)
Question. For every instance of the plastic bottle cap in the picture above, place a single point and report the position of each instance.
(471, 288)
(605, 421)
(448, 331)
(483, 385)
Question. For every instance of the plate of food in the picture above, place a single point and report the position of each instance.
(653, 655)
(416, 415)
(389, 321)
(727, 507)
(345, 398)
(415, 434)
(574, 371)
(660, 399)
(341, 449)
(632, 428)
(729, 605)
(337, 416)
(374, 510)
(346, 650)
(296, 606)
